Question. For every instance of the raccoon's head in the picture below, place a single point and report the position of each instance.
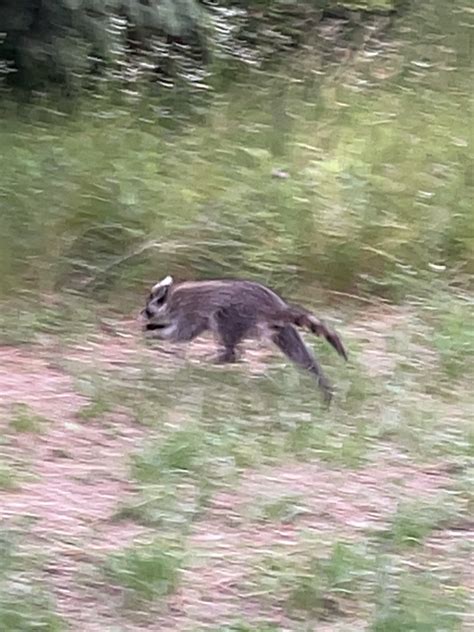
(154, 314)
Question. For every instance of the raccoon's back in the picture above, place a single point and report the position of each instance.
(225, 293)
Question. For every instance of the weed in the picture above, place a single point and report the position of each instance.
(453, 335)
(24, 419)
(23, 607)
(146, 571)
(24, 601)
(413, 522)
(322, 584)
(173, 504)
(284, 509)
(417, 603)
(314, 585)
(29, 318)
(8, 477)
(177, 476)
(103, 392)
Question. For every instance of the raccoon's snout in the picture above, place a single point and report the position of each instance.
(143, 314)
(143, 318)
(155, 326)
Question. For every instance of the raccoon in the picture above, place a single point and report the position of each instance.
(233, 310)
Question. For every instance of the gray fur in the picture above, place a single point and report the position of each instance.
(234, 310)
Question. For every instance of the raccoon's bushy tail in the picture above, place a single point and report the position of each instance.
(302, 318)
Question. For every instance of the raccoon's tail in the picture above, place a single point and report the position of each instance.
(302, 318)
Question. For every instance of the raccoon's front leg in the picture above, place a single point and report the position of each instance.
(289, 341)
(229, 326)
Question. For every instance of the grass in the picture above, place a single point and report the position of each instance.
(146, 572)
(8, 476)
(413, 522)
(25, 602)
(453, 338)
(24, 419)
(27, 318)
(213, 449)
(311, 585)
(284, 509)
(14, 468)
(418, 604)
(244, 484)
(229, 451)
(347, 580)
(377, 199)
(316, 589)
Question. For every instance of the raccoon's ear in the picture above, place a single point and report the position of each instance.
(160, 290)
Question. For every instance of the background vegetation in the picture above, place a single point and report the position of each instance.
(369, 125)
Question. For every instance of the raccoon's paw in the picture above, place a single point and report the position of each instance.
(227, 356)
(327, 391)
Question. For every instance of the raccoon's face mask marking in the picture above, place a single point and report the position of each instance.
(155, 310)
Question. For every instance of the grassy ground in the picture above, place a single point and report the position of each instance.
(144, 488)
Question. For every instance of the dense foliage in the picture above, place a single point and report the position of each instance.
(66, 41)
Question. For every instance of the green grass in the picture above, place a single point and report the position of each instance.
(321, 586)
(24, 419)
(453, 335)
(27, 318)
(414, 521)
(25, 602)
(285, 509)
(314, 582)
(378, 198)
(211, 448)
(146, 571)
(315, 585)
(8, 476)
(417, 603)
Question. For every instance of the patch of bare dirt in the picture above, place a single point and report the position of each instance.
(26, 377)
(349, 500)
(78, 473)
(379, 324)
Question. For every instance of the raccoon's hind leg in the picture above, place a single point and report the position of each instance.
(289, 341)
(229, 327)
